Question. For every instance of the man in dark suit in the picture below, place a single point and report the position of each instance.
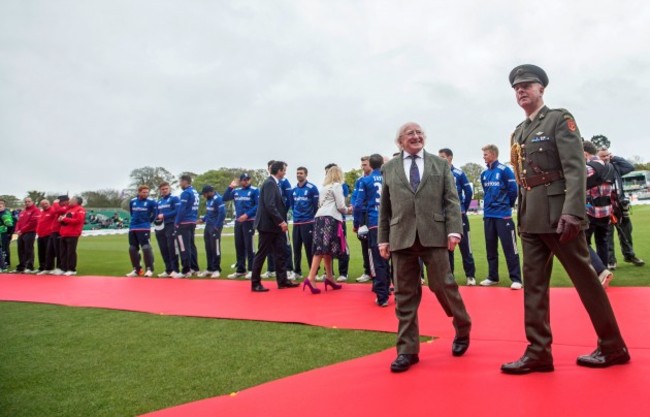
(271, 223)
(419, 218)
(549, 165)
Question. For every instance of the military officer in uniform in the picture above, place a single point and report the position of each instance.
(549, 165)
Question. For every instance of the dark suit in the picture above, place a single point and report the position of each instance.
(271, 212)
(551, 145)
(416, 224)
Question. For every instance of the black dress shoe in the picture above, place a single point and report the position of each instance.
(404, 362)
(288, 284)
(636, 261)
(459, 346)
(259, 288)
(598, 359)
(526, 365)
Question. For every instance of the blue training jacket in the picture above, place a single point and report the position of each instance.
(245, 200)
(142, 213)
(215, 211)
(287, 191)
(463, 187)
(188, 208)
(304, 201)
(168, 206)
(367, 199)
(500, 188)
(353, 198)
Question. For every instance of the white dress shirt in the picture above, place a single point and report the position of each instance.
(419, 161)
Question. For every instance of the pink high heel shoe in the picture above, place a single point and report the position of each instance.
(332, 284)
(314, 290)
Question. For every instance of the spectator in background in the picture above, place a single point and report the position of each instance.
(60, 206)
(185, 224)
(465, 192)
(72, 224)
(600, 180)
(304, 201)
(246, 198)
(623, 225)
(26, 231)
(165, 215)
(366, 170)
(142, 210)
(6, 225)
(213, 219)
(44, 229)
(500, 188)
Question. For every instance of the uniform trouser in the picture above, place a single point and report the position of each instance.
(26, 251)
(599, 229)
(212, 240)
(503, 230)
(364, 252)
(408, 293)
(68, 252)
(168, 248)
(288, 256)
(6, 241)
(574, 257)
(140, 239)
(43, 242)
(53, 257)
(378, 268)
(274, 244)
(244, 232)
(344, 258)
(303, 235)
(465, 251)
(624, 230)
(187, 247)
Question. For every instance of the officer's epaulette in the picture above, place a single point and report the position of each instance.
(519, 125)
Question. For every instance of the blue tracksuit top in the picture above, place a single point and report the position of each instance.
(304, 200)
(142, 213)
(463, 187)
(168, 206)
(354, 197)
(367, 198)
(287, 191)
(215, 211)
(500, 188)
(188, 209)
(245, 200)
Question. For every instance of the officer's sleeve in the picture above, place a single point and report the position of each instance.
(569, 146)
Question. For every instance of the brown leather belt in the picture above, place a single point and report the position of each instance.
(544, 178)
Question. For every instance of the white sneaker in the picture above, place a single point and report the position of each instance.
(471, 281)
(133, 273)
(216, 274)
(489, 283)
(297, 276)
(235, 275)
(233, 266)
(191, 273)
(291, 276)
(44, 272)
(516, 286)
(268, 274)
(341, 278)
(606, 277)
(249, 274)
(422, 282)
(70, 273)
(320, 278)
(29, 271)
(163, 275)
(149, 273)
(57, 271)
(177, 275)
(204, 274)
(364, 278)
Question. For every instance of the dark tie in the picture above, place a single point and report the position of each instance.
(414, 174)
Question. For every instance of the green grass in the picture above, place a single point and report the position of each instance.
(61, 361)
(108, 255)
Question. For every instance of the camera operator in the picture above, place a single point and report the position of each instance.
(621, 205)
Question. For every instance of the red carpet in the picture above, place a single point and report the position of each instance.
(440, 384)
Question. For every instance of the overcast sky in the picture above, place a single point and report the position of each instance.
(90, 90)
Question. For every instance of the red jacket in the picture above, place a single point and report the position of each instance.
(73, 222)
(28, 220)
(47, 222)
(59, 210)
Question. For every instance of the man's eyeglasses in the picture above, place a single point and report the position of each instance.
(413, 133)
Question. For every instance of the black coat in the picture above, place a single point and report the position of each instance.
(271, 211)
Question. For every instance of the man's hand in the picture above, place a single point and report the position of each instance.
(384, 251)
(452, 241)
(568, 227)
(161, 216)
(199, 221)
(284, 226)
(242, 218)
(234, 183)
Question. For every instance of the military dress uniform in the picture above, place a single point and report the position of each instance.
(549, 164)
